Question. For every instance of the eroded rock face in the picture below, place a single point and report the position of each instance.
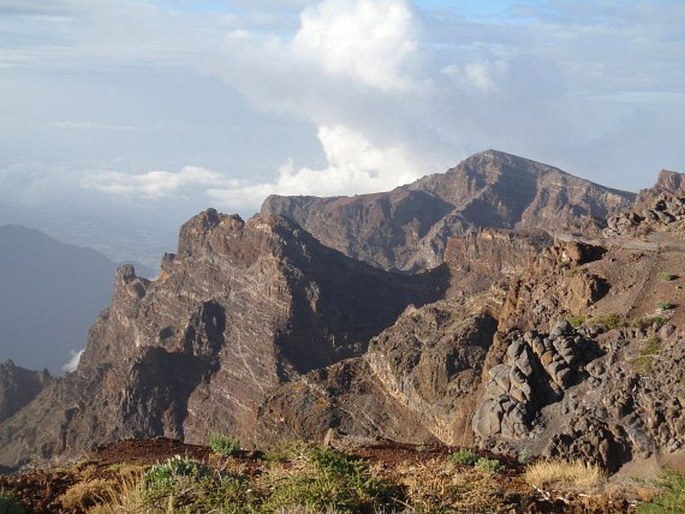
(241, 308)
(416, 382)
(657, 209)
(536, 370)
(523, 343)
(408, 228)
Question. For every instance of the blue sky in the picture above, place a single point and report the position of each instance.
(141, 109)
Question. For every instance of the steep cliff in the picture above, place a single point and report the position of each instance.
(18, 386)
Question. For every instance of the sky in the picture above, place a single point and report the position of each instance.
(117, 113)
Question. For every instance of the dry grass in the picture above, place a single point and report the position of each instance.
(439, 485)
(561, 475)
(124, 495)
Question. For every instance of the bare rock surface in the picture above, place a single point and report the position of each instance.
(18, 386)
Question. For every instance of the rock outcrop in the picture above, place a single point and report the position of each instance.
(552, 341)
(18, 386)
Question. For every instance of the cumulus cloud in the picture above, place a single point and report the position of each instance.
(389, 90)
(372, 41)
(353, 165)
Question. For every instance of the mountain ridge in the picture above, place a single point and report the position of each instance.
(408, 228)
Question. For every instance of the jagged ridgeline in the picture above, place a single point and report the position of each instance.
(491, 305)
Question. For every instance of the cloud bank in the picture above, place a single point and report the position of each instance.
(391, 90)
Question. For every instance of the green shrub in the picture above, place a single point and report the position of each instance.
(665, 306)
(463, 457)
(166, 474)
(672, 496)
(334, 481)
(608, 321)
(489, 465)
(9, 505)
(224, 445)
(650, 346)
(666, 276)
(576, 320)
(655, 322)
(644, 364)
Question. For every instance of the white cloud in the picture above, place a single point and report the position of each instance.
(353, 165)
(74, 358)
(372, 41)
(157, 184)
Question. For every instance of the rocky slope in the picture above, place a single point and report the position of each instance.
(408, 228)
(18, 386)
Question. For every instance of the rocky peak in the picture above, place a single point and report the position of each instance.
(657, 209)
(242, 308)
(18, 386)
(670, 182)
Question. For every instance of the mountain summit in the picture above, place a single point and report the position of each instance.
(407, 228)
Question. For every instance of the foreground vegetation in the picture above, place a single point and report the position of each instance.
(306, 479)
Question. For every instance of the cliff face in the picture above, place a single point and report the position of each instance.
(239, 309)
(408, 228)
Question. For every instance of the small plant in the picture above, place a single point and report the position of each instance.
(608, 322)
(644, 364)
(654, 322)
(671, 498)
(576, 320)
(556, 474)
(650, 346)
(373, 345)
(333, 481)
(224, 445)
(524, 456)
(9, 505)
(666, 276)
(489, 465)
(165, 474)
(463, 457)
(665, 306)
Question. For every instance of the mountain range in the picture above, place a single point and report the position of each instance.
(504, 304)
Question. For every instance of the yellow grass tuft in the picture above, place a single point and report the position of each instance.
(571, 475)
